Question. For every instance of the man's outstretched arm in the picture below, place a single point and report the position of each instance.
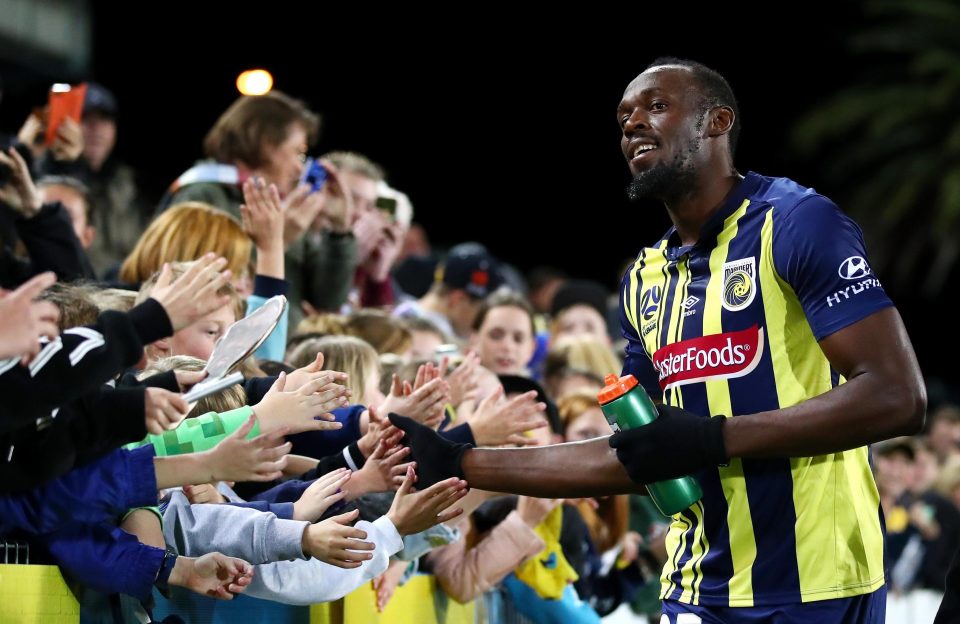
(571, 470)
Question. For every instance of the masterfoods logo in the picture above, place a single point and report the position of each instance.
(719, 356)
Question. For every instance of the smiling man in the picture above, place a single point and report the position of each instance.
(778, 357)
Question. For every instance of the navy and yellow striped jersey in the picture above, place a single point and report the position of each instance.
(730, 326)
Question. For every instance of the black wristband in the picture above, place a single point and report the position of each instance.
(711, 440)
(166, 567)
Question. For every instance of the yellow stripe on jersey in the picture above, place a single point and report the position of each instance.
(706, 549)
(676, 542)
(653, 275)
(675, 329)
(841, 554)
(697, 552)
(743, 545)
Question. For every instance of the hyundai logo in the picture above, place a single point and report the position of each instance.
(854, 267)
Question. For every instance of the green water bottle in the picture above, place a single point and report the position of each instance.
(627, 406)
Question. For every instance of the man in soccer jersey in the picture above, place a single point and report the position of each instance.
(778, 357)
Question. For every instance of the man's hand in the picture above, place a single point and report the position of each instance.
(674, 445)
(338, 207)
(300, 208)
(213, 574)
(20, 193)
(388, 248)
(437, 458)
(67, 145)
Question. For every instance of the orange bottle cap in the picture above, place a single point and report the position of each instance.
(616, 387)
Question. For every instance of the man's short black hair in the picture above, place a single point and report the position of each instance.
(714, 88)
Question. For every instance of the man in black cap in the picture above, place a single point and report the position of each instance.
(120, 214)
(465, 278)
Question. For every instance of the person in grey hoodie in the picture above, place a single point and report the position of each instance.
(296, 562)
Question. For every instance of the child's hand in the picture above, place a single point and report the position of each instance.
(205, 493)
(379, 429)
(415, 512)
(497, 421)
(464, 380)
(383, 470)
(309, 372)
(213, 574)
(193, 295)
(387, 583)
(237, 459)
(164, 410)
(424, 404)
(304, 409)
(321, 494)
(336, 542)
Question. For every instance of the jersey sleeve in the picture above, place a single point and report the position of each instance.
(820, 253)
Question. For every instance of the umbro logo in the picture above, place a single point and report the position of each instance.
(689, 305)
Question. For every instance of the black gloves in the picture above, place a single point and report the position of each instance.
(437, 458)
(676, 444)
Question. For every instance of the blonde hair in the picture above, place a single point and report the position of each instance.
(375, 327)
(74, 303)
(380, 330)
(179, 268)
(223, 401)
(583, 354)
(574, 405)
(186, 232)
(359, 164)
(326, 324)
(346, 354)
(114, 299)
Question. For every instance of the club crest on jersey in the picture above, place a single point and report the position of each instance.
(739, 284)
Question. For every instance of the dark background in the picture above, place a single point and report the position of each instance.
(499, 127)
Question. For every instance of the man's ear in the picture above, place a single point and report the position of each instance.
(721, 120)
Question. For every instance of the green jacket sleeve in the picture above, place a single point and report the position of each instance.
(201, 433)
(320, 272)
